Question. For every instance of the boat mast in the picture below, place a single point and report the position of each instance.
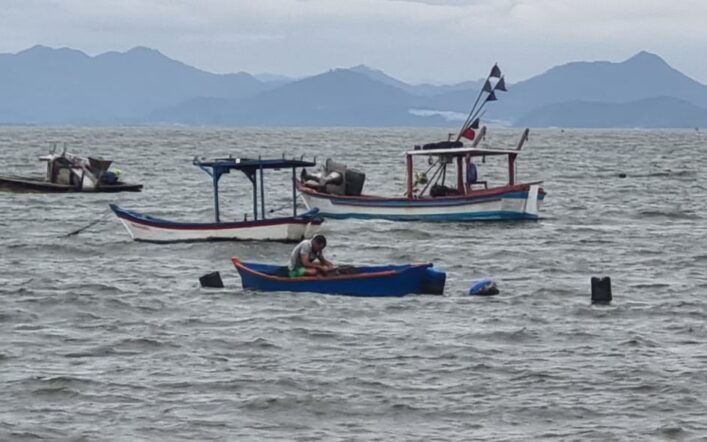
(512, 169)
(460, 176)
(255, 194)
(408, 160)
(262, 191)
(294, 193)
(216, 176)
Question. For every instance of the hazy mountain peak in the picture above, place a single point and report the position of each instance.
(364, 68)
(36, 49)
(46, 51)
(144, 50)
(646, 58)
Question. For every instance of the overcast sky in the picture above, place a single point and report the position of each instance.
(414, 40)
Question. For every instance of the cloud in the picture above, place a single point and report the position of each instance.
(414, 39)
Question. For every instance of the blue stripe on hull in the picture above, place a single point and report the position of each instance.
(311, 216)
(424, 202)
(476, 216)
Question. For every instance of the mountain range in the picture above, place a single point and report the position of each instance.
(42, 85)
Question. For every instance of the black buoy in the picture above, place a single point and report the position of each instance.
(622, 175)
(601, 290)
(211, 280)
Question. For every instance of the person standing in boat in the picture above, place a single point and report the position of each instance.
(307, 259)
(471, 173)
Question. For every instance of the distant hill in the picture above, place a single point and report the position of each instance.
(336, 98)
(424, 89)
(42, 85)
(660, 112)
(640, 77)
(45, 85)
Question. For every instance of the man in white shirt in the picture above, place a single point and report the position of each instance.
(304, 257)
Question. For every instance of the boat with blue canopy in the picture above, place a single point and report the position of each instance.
(366, 281)
(293, 228)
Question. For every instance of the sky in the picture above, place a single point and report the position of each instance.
(441, 41)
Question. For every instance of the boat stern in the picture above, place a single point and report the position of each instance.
(433, 281)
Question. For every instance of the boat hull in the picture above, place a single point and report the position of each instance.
(379, 281)
(518, 202)
(146, 228)
(37, 185)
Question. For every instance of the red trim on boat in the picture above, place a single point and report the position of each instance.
(239, 265)
(474, 194)
(220, 226)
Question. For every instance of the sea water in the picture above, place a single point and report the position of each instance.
(104, 338)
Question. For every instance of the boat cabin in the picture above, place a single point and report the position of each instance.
(441, 154)
(84, 173)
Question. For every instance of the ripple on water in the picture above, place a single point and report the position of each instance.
(104, 337)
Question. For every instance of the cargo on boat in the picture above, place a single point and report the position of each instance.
(67, 172)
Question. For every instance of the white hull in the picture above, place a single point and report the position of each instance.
(146, 228)
(510, 205)
(278, 232)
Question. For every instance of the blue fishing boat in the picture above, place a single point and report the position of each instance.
(370, 281)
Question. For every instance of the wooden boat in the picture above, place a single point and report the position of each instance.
(508, 201)
(68, 172)
(373, 281)
(147, 228)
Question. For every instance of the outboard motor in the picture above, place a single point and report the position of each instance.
(335, 179)
(319, 180)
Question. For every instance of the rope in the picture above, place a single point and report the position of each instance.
(284, 206)
(91, 224)
(435, 177)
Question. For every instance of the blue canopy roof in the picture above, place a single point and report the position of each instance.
(250, 165)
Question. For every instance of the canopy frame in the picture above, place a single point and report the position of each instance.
(254, 170)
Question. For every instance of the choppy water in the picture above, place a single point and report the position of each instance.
(104, 338)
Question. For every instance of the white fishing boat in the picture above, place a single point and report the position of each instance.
(510, 200)
(337, 192)
(294, 228)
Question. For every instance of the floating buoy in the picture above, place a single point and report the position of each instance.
(211, 280)
(484, 287)
(622, 175)
(601, 290)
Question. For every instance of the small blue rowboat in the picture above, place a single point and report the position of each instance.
(374, 281)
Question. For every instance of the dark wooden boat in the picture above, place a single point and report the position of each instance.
(67, 172)
(39, 184)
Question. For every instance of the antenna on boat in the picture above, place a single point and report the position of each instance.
(64, 151)
(500, 85)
